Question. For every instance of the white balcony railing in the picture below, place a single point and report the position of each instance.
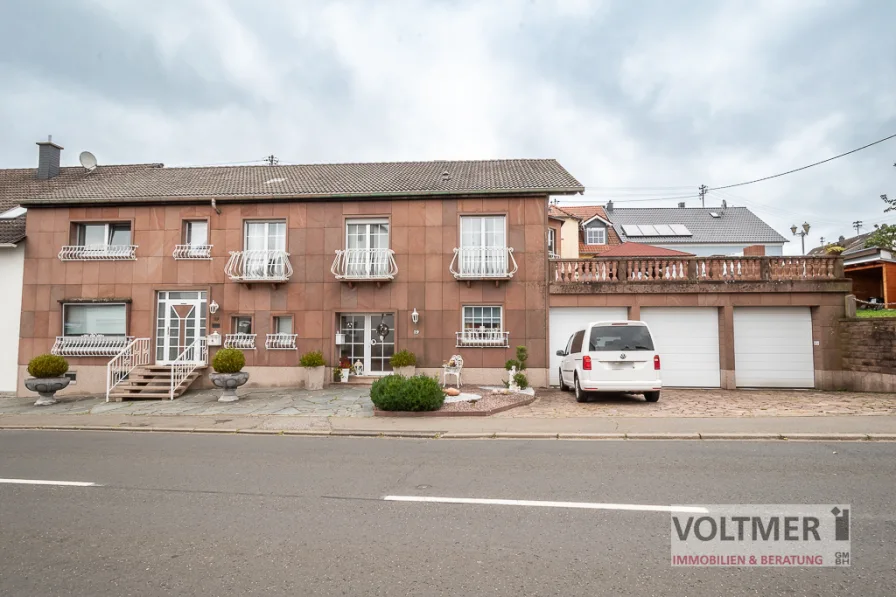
(480, 263)
(127, 358)
(193, 251)
(98, 252)
(364, 264)
(194, 356)
(259, 266)
(280, 341)
(241, 341)
(495, 338)
(89, 345)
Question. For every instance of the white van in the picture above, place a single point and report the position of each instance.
(611, 356)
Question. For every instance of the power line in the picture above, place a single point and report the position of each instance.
(586, 200)
(740, 184)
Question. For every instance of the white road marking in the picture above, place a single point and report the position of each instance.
(545, 504)
(42, 482)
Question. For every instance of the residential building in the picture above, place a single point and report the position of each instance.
(871, 269)
(354, 260)
(586, 230)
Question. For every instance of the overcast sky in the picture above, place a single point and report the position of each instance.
(654, 94)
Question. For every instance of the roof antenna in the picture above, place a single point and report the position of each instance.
(272, 160)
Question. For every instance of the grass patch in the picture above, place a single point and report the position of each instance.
(869, 313)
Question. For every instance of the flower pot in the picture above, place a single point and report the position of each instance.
(408, 371)
(314, 378)
(229, 382)
(46, 387)
(345, 373)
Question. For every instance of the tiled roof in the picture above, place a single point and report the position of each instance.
(320, 181)
(851, 244)
(583, 213)
(12, 231)
(642, 250)
(736, 224)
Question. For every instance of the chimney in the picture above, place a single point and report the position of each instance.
(48, 159)
(681, 204)
(609, 206)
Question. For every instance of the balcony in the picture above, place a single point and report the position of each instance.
(280, 341)
(364, 265)
(90, 345)
(98, 253)
(192, 252)
(483, 338)
(483, 263)
(259, 266)
(240, 341)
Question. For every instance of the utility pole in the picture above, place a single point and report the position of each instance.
(822, 241)
(703, 190)
(272, 160)
(858, 226)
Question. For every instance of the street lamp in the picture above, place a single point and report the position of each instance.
(801, 233)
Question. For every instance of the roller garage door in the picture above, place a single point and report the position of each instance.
(773, 347)
(565, 321)
(687, 340)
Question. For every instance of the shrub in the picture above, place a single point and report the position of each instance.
(512, 363)
(403, 358)
(228, 360)
(337, 374)
(47, 365)
(418, 393)
(521, 380)
(312, 359)
(522, 355)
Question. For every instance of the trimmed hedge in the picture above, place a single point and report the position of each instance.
(403, 358)
(312, 359)
(47, 365)
(418, 393)
(229, 360)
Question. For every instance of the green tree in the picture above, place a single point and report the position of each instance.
(884, 237)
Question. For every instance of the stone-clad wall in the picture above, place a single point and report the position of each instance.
(869, 353)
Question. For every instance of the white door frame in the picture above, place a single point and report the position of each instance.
(164, 315)
(369, 331)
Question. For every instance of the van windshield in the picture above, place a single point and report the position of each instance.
(620, 337)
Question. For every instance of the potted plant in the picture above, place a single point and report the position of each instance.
(515, 367)
(345, 366)
(47, 377)
(314, 365)
(404, 363)
(228, 375)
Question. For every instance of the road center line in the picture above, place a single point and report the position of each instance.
(43, 482)
(546, 504)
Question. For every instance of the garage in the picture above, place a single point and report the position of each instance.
(565, 321)
(773, 347)
(687, 340)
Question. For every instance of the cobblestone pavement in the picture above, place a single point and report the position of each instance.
(354, 401)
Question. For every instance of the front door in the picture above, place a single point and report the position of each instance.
(180, 320)
(369, 339)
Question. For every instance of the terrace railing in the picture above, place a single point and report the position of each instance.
(364, 264)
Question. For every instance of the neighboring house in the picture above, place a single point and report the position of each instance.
(354, 260)
(871, 269)
(586, 230)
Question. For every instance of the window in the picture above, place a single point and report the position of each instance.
(241, 324)
(282, 336)
(196, 233)
(283, 324)
(105, 319)
(596, 235)
(577, 341)
(103, 235)
(482, 232)
(483, 251)
(552, 243)
(265, 236)
(482, 326)
(242, 336)
(367, 252)
(264, 257)
(620, 337)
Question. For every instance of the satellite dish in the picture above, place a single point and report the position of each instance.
(88, 160)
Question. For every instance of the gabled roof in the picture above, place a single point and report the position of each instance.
(735, 225)
(852, 244)
(584, 213)
(322, 181)
(642, 250)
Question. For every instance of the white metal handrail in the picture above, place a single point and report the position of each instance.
(133, 355)
(241, 341)
(280, 341)
(364, 264)
(259, 266)
(483, 338)
(89, 345)
(193, 356)
(97, 252)
(477, 263)
(193, 251)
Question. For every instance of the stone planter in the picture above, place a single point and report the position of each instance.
(314, 378)
(46, 387)
(408, 371)
(344, 375)
(229, 382)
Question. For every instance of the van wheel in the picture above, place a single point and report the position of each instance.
(651, 396)
(563, 386)
(580, 395)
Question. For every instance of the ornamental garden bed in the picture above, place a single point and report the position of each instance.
(491, 401)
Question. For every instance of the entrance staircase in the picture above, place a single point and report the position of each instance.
(152, 382)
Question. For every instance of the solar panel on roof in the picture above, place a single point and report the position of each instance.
(631, 230)
(680, 230)
(664, 229)
(648, 230)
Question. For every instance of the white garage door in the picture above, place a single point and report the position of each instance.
(773, 347)
(565, 321)
(687, 340)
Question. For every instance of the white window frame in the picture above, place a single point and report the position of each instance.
(107, 233)
(276, 321)
(463, 315)
(188, 233)
(482, 232)
(65, 307)
(268, 237)
(552, 242)
(601, 233)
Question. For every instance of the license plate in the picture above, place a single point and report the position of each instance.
(621, 365)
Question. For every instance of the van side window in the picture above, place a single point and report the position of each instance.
(577, 341)
(569, 344)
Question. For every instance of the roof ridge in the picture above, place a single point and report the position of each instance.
(380, 163)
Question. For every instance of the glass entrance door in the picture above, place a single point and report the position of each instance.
(180, 320)
(369, 339)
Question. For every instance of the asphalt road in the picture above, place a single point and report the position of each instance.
(179, 514)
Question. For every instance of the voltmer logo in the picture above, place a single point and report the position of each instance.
(800, 535)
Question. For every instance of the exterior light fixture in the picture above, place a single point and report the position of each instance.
(415, 317)
(213, 307)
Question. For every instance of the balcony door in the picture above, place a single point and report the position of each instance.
(265, 245)
(180, 320)
(365, 341)
(367, 242)
(483, 245)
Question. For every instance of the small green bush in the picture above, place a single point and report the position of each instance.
(228, 360)
(418, 393)
(403, 358)
(47, 365)
(312, 359)
(521, 380)
(512, 363)
(522, 355)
